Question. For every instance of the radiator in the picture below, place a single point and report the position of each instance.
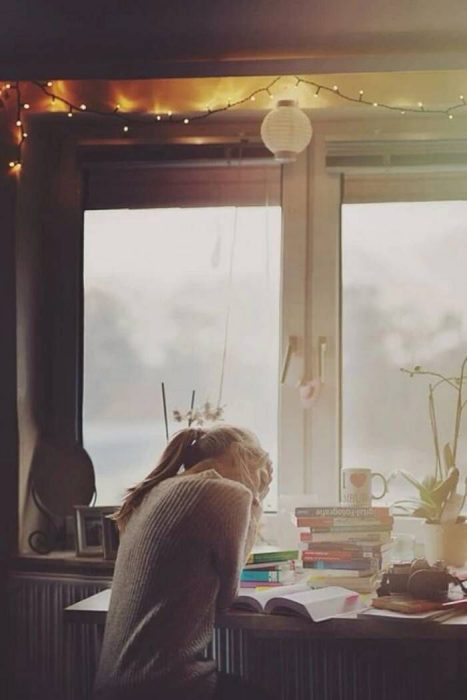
(51, 660)
(57, 661)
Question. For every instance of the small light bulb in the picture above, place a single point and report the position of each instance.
(8, 86)
(26, 105)
(186, 121)
(169, 114)
(420, 104)
(158, 117)
(117, 107)
(360, 92)
(18, 122)
(25, 135)
(49, 83)
(335, 88)
(375, 104)
(402, 111)
(461, 97)
(12, 163)
(70, 114)
(126, 128)
(450, 116)
(82, 107)
(252, 98)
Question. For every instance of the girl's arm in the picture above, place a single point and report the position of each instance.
(239, 517)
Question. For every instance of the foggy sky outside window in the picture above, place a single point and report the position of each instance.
(157, 294)
(404, 303)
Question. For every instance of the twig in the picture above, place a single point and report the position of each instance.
(192, 405)
(164, 403)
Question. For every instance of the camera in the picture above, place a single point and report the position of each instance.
(419, 580)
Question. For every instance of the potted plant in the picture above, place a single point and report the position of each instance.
(438, 500)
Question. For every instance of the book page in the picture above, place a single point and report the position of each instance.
(317, 604)
(258, 599)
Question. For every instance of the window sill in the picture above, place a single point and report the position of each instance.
(64, 562)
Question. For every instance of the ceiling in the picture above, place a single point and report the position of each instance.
(114, 39)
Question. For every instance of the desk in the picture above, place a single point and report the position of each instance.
(344, 658)
(93, 611)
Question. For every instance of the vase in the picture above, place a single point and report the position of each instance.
(445, 542)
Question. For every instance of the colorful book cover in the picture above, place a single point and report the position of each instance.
(342, 512)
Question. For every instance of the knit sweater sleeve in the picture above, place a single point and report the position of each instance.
(234, 537)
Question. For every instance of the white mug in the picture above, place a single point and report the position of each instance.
(357, 487)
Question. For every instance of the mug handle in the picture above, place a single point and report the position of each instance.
(385, 486)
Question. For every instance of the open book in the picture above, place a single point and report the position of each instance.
(299, 599)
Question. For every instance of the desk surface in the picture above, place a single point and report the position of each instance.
(93, 610)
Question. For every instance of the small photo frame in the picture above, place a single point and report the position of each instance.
(110, 537)
(89, 529)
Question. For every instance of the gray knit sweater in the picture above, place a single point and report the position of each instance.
(178, 562)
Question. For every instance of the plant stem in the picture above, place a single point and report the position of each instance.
(458, 410)
(449, 380)
(434, 429)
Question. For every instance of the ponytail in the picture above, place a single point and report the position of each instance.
(183, 449)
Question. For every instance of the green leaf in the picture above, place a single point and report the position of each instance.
(424, 492)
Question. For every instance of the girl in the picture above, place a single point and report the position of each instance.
(185, 536)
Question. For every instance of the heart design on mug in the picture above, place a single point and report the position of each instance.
(358, 480)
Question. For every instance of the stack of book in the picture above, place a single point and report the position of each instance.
(345, 546)
(268, 567)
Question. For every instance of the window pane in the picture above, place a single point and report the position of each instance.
(404, 304)
(188, 297)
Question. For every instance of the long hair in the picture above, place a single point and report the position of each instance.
(187, 448)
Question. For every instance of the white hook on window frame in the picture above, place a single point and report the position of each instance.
(292, 345)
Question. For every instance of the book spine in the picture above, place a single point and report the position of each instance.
(373, 527)
(342, 512)
(343, 537)
(340, 554)
(259, 584)
(357, 564)
(271, 576)
(265, 557)
(343, 522)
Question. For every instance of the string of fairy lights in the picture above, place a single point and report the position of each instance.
(128, 119)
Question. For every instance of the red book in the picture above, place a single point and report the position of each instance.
(344, 522)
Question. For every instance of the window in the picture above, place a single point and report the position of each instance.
(403, 304)
(188, 296)
(387, 288)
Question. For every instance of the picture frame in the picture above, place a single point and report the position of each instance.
(110, 537)
(89, 529)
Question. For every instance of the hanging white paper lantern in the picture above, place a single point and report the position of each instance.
(286, 131)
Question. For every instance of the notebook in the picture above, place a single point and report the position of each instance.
(298, 599)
